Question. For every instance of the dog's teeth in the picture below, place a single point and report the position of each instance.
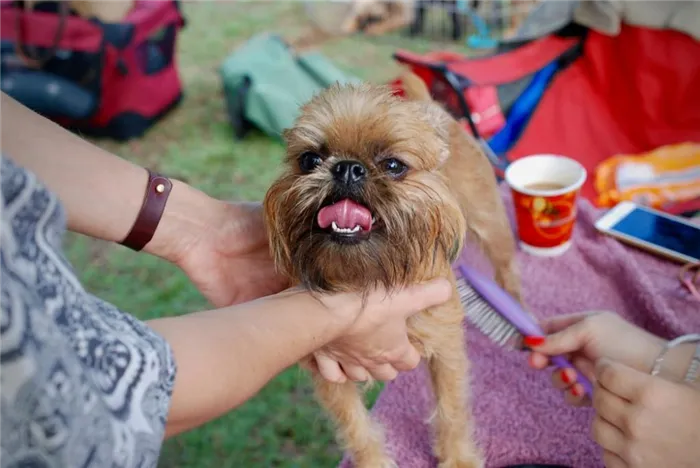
(374, 220)
(335, 228)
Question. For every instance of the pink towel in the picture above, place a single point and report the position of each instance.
(519, 417)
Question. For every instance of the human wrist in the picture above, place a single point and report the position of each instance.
(676, 361)
(332, 314)
(187, 216)
(676, 358)
(649, 351)
(340, 310)
(345, 309)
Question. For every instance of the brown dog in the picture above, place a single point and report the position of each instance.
(380, 191)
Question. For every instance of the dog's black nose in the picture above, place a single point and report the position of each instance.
(349, 172)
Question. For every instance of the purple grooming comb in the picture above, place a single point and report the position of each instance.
(500, 317)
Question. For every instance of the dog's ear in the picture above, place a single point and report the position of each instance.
(441, 122)
(438, 118)
(416, 90)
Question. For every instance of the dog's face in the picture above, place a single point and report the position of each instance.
(362, 200)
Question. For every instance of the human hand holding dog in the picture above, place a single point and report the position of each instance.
(376, 345)
(228, 258)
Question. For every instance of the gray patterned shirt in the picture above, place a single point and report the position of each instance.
(82, 384)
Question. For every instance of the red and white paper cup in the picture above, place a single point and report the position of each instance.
(545, 188)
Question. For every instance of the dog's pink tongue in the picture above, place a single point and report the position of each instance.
(347, 214)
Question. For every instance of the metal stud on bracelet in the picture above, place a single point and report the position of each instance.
(154, 201)
(692, 338)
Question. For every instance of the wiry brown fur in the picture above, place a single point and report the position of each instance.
(449, 190)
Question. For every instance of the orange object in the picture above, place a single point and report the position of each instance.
(660, 178)
(545, 189)
(545, 221)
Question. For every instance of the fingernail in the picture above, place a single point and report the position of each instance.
(575, 391)
(533, 341)
(565, 377)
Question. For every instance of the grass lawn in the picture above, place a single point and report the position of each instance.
(282, 426)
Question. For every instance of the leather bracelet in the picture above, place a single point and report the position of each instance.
(157, 192)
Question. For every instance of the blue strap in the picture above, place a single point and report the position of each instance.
(522, 110)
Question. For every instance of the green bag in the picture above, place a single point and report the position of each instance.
(265, 82)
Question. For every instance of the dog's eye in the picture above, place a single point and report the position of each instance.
(393, 167)
(309, 161)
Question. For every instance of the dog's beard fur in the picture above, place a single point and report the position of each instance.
(419, 223)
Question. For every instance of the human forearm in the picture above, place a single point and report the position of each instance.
(102, 193)
(225, 356)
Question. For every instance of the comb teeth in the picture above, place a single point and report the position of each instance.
(485, 318)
